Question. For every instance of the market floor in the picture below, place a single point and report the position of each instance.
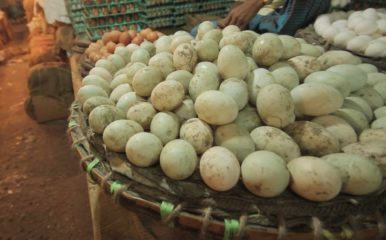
(43, 192)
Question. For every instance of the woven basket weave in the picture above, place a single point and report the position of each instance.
(363, 4)
(195, 206)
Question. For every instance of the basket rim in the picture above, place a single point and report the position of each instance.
(183, 216)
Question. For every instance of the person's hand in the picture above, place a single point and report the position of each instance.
(242, 14)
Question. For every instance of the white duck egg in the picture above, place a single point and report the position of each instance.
(370, 13)
(329, 33)
(376, 49)
(340, 24)
(342, 38)
(359, 43)
(382, 26)
(353, 22)
(366, 27)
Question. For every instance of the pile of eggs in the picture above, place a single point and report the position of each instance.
(362, 32)
(106, 46)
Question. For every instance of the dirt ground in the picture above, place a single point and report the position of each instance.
(43, 192)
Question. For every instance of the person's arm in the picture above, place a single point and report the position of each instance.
(242, 14)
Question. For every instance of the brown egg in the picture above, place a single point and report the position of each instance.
(95, 56)
(152, 36)
(106, 38)
(125, 38)
(88, 51)
(98, 56)
(145, 31)
(102, 50)
(110, 46)
(92, 46)
(115, 36)
(132, 33)
(91, 55)
(95, 46)
(99, 43)
(137, 40)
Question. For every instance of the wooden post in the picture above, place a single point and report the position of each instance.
(6, 33)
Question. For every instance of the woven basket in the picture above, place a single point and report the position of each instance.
(237, 213)
(363, 4)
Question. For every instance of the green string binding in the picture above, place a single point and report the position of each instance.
(165, 209)
(115, 186)
(231, 227)
(92, 164)
(328, 235)
(75, 145)
(346, 233)
(72, 123)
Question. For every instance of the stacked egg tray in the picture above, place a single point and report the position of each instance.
(172, 13)
(158, 11)
(215, 7)
(74, 8)
(101, 16)
(169, 13)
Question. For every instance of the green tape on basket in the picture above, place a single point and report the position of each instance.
(75, 145)
(165, 209)
(72, 123)
(115, 186)
(231, 226)
(92, 164)
(328, 235)
(346, 233)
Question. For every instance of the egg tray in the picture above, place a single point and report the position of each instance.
(94, 3)
(79, 28)
(186, 8)
(158, 11)
(78, 23)
(191, 199)
(110, 9)
(111, 21)
(175, 16)
(214, 5)
(180, 8)
(74, 8)
(153, 3)
(166, 21)
(171, 10)
(214, 12)
(77, 16)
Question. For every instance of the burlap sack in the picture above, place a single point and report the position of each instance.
(51, 92)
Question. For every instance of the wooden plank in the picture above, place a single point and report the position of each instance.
(75, 74)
